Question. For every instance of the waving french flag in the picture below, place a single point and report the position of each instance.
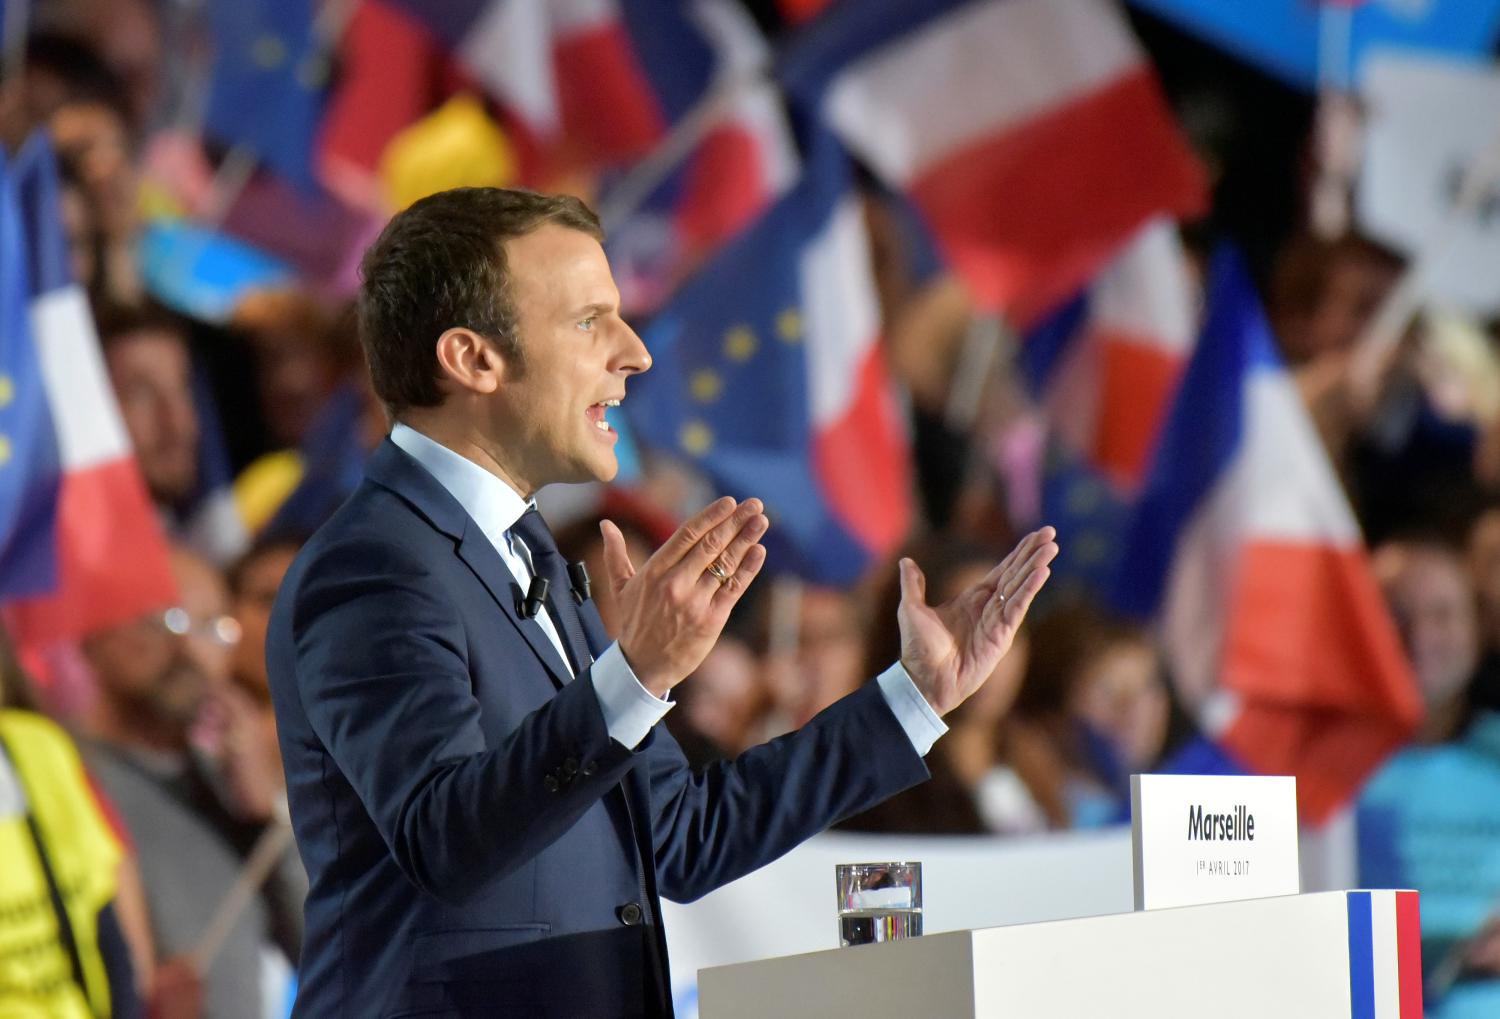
(1106, 367)
(1244, 548)
(1031, 134)
(769, 376)
(598, 84)
(86, 550)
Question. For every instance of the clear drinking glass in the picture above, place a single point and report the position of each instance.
(878, 902)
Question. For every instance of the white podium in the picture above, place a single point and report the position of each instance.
(1328, 955)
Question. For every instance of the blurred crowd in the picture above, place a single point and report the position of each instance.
(249, 431)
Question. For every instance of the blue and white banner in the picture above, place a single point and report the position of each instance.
(1282, 36)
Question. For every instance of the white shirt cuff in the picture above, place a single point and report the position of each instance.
(921, 724)
(630, 710)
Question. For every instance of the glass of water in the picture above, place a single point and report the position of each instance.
(878, 902)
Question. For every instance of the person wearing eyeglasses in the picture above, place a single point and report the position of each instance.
(177, 748)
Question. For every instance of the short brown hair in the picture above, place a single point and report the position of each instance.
(441, 264)
(114, 322)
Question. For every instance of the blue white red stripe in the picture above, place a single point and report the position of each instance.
(111, 562)
(1106, 368)
(1245, 550)
(1385, 955)
(1031, 134)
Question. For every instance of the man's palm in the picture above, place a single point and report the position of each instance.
(949, 651)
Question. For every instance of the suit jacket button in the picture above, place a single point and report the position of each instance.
(588, 769)
(631, 914)
(549, 783)
(569, 769)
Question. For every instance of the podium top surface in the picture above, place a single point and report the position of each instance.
(1327, 954)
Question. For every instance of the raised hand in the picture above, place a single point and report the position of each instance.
(949, 651)
(673, 609)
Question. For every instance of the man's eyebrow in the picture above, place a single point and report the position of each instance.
(594, 309)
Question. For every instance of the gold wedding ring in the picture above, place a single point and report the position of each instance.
(720, 574)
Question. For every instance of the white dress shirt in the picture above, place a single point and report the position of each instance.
(630, 710)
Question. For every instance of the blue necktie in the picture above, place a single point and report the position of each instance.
(547, 562)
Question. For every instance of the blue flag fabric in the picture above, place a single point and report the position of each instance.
(1281, 36)
(1202, 432)
(202, 273)
(48, 266)
(730, 397)
(269, 83)
(30, 466)
(672, 50)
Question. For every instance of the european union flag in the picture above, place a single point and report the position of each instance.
(729, 390)
(30, 468)
(269, 82)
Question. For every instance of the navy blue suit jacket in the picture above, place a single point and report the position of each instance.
(475, 841)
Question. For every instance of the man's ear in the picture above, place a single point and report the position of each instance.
(469, 361)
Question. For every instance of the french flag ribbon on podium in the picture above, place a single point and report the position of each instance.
(769, 376)
(80, 545)
(1031, 134)
(1385, 955)
(1244, 548)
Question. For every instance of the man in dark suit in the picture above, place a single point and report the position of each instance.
(487, 809)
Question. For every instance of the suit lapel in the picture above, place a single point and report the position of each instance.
(480, 556)
(390, 467)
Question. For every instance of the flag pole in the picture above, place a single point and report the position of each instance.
(268, 850)
(1337, 123)
(982, 344)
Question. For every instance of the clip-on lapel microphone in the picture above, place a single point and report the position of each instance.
(578, 580)
(536, 598)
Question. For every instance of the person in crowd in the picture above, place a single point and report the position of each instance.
(253, 582)
(722, 712)
(80, 225)
(77, 829)
(1324, 293)
(64, 950)
(303, 351)
(1483, 552)
(1430, 818)
(813, 640)
(1406, 463)
(179, 751)
(151, 371)
(425, 685)
(991, 774)
(148, 354)
(82, 102)
(1431, 594)
(1094, 688)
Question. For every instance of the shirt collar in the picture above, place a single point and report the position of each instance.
(492, 503)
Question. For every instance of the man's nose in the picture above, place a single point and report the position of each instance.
(633, 356)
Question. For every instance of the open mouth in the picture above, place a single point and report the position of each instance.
(596, 414)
